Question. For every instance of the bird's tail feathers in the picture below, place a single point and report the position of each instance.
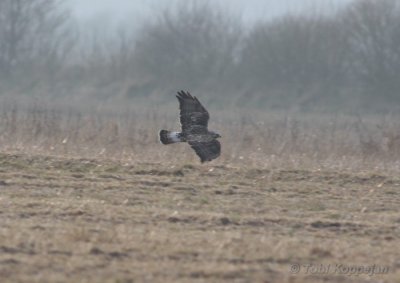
(167, 137)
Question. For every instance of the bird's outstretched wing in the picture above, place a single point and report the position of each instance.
(192, 113)
(207, 151)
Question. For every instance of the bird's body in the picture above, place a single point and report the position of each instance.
(194, 121)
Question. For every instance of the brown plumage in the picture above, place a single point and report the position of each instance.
(194, 121)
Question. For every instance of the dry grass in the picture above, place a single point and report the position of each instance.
(94, 198)
(253, 138)
(90, 221)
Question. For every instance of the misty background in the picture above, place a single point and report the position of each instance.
(301, 55)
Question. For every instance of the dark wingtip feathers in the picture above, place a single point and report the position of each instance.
(182, 95)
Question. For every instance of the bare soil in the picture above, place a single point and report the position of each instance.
(82, 220)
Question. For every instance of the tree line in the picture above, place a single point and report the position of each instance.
(350, 57)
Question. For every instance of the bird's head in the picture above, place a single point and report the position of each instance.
(215, 135)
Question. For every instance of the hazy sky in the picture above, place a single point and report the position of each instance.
(249, 9)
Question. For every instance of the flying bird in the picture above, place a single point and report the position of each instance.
(194, 121)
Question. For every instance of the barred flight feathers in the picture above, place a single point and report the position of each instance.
(194, 121)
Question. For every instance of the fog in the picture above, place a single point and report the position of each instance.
(303, 55)
(250, 11)
(304, 96)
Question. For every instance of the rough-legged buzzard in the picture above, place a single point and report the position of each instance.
(194, 120)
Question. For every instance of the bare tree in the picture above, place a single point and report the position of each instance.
(33, 34)
(192, 45)
(106, 53)
(374, 35)
(298, 58)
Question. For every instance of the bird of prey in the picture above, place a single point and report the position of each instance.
(194, 121)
